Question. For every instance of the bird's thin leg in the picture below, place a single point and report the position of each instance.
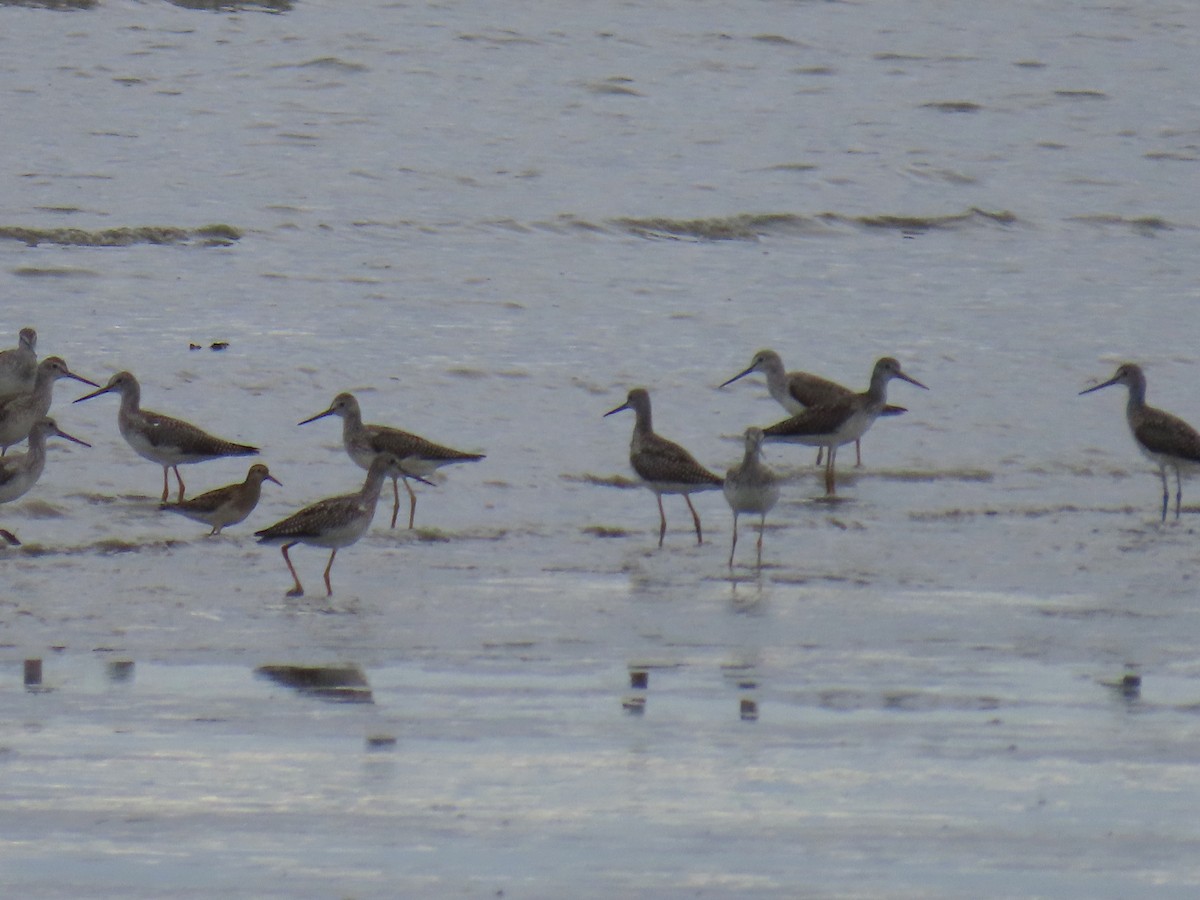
(762, 523)
(830, 482)
(1178, 493)
(178, 478)
(396, 499)
(166, 490)
(412, 503)
(662, 518)
(857, 455)
(733, 546)
(297, 591)
(820, 455)
(328, 586)
(695, 518)
(1162, 471)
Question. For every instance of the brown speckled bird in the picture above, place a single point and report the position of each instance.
(364, 442)
(19, 412)
(840, 421)
(664, 466)
(18, 366)
(1166, 439)
(161, 439)
(335, 522)
(227, 505)
(797, 391)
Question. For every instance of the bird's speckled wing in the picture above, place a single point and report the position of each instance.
(406, 446)
(813, 390)
(1165, 433)
(823, 419)
(657, 459)
(165, 432)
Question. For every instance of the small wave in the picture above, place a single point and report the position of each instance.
(62, 5)
(330, 62)
(207, 235)
(741, 227)
(617, 85)
(972, 217)
(54, 272)
(618, 481)
(1147, 226)
(269, 6)
(953, 106)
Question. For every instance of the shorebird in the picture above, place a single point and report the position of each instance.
(664, 466)
(227, 505)
(751, 488)
(161, 439)
(19, 412)
(842, 420)
(335, 522)
(20, 472)
(797, 391)
(1166, 439)
(18, 366)
(365, 442)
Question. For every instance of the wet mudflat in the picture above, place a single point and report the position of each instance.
(972, 674)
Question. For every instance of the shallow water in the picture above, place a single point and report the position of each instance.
(489, 226)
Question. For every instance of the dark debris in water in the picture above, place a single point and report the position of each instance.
(1146, 226)
(953, 106)
(972, 216)
(206, 235)
(270, 6)
(606, 531)
(338, 683)
(753, 226)
(64, 5)
(742, 227)
(618, 481)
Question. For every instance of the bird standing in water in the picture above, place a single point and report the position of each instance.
(227, 505)
(664, 466)
(840, 421)
(162, 439)
(751, 488)
(1167, 440)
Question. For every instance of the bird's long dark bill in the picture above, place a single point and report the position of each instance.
(737, 376)
(1110, 381)
(617, 410)
(63, 434)
(911, 380)
(328, 412)
(82, 379)
(103, 390)
(273, 478)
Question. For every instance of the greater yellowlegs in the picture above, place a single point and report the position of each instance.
(751, 488)
(797, 391)
(664, 466)
(20, 472)
(1166, 439)
(227, 505)
(840, 421)
(20, 411)
(18, 366)
(335, 522)
(364, 442)
(161, 439)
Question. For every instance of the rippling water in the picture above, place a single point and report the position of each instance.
(489, 222)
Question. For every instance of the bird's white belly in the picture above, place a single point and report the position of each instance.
(750, 498)
(164, 455)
